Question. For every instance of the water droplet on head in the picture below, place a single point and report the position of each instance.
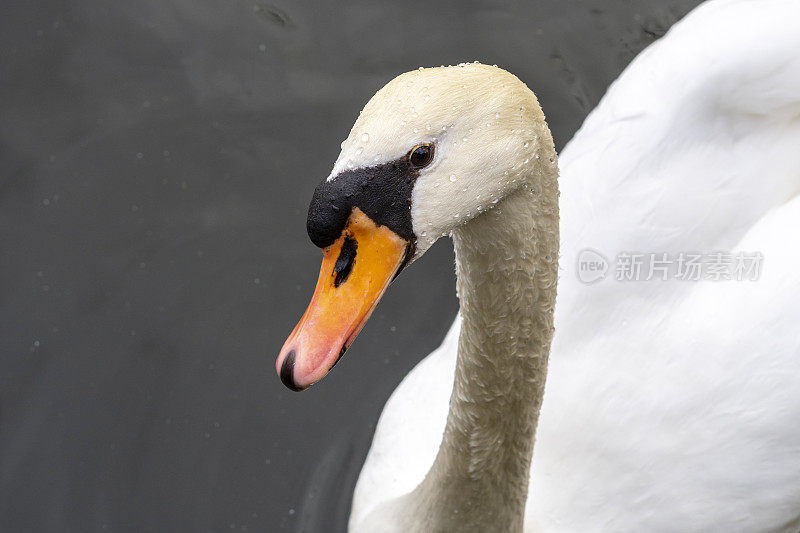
(364, 137)
(526, 144)
(452, 177)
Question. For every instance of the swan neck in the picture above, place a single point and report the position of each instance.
(506, 264)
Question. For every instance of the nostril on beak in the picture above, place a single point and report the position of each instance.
(287, 372)
(344, 264)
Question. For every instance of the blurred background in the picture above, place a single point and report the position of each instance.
(157, 158)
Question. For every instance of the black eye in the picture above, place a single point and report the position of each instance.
(421, 156)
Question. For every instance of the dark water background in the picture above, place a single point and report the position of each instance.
(156, 162)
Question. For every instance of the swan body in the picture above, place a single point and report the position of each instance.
(669, 406)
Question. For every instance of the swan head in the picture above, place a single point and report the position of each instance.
(432, 150)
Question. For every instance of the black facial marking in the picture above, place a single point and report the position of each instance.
(382, 192)
(344, 264)
(287, 372)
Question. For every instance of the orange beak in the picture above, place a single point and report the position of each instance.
(356, 270)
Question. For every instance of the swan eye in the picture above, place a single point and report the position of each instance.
(421, 156)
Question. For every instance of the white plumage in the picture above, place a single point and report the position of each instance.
(669, 406)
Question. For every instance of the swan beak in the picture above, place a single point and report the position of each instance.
(356, 270)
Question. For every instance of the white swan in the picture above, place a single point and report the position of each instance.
(670, 406)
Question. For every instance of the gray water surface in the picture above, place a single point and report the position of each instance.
(156, 161)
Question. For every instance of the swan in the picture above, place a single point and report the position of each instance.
(462, 151)
(669, 405)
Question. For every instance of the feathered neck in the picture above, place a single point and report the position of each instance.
(506, 263)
